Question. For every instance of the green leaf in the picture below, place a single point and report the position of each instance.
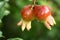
(1, 34)
(14, 39)
(3, 9)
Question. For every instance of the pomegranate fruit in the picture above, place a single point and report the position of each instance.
(27, 13)
(41, 12)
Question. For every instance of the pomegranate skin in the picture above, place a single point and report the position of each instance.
(41, 12)
(27, 13)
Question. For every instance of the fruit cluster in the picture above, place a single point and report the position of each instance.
(41, 13)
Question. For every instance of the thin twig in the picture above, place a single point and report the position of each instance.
(34, 1)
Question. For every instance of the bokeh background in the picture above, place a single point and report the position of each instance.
(10, 16)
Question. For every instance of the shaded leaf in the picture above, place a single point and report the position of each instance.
(14, 39)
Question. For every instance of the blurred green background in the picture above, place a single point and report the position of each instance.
(10, 16)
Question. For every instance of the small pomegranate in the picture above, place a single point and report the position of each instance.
(43, 13)
(27, 13)
(27, 16)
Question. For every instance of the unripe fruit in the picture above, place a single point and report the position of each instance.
(27, 13)
(41, 12)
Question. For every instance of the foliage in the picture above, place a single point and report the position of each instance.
(15, 39)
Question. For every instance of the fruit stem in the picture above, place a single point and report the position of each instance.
(34, 1)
